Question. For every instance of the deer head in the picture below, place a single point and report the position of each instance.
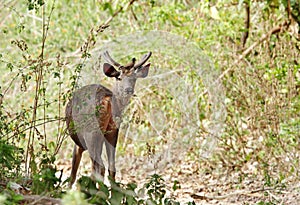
(126, 75)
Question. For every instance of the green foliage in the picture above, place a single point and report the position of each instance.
(155, 189)
(295, 6)
(44, 178)
(153, 192)
(265, 203)
(10, 160)
(89, 188)
(35, 4)
(2, 199)
(74, 197)
(9, 197)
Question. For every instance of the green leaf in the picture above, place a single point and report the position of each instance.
(176, 185)
(10, 66)
(107, 6)
(56, 74)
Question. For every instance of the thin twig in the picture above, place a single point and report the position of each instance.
(106, 24)
(38, 79)
(36, 125)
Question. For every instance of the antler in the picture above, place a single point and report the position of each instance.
(109, 58)
(136, 66)
(144, 59)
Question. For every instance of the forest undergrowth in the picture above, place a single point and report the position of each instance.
(216, 121)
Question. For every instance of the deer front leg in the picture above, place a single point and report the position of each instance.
(98, 169)
(111, 155)
(110, 143)
(77, 153)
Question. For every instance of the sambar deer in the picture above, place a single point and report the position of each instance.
(93, 114)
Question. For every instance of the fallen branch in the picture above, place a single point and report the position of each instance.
(220, 197)
(36, 199)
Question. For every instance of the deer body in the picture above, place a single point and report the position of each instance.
(93, 115)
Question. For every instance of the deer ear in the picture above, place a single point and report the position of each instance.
(143, 72)
(110, 71)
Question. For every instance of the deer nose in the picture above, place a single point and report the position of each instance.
(129, 91)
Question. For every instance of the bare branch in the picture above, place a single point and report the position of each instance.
(247, 23)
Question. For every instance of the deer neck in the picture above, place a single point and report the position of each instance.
(119, 103)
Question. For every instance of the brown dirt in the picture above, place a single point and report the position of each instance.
(199, 182)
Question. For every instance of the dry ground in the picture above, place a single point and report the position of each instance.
(225, 187)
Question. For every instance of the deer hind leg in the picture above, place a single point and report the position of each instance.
(77, 153)
(110, 144)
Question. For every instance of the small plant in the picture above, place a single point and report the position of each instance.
(156, 191)
(9, 159)
(45, 180)
(123, 194)
(92, 194)
(9, 197)
(116, 194)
